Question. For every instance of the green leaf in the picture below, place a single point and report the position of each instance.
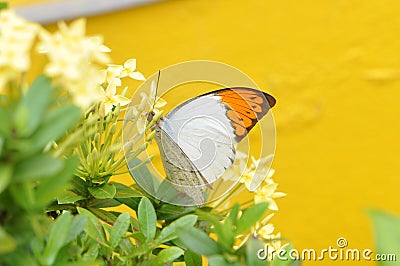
(48, 189)
(2, 140)
(3, 5)
(54, 126)
(30, 111)
(135, 225)
(141, 250)
(103, 215)
(37, 167)
(179, 243)
(147, 218)
(198, 241)
(103, 203)
(79, 186)
(167, 255)
(7, 242)
(225, 232)
(226, 235)
(5, 127)
(91, 254)
(192, 259)
(125, 191)
(387, 234)
(168, 233)
(143, 176)
(233, 214)
(253, 248)
(218, 260)
(94, 227)
(68, 197)
(5, 176)
(106, 191)
(119, 229)
(23, 194)
(126, 246)
(167, 192)
(77, 226)
(250, 217)
(18, 257)
(173, 212)
(58, 234)
(132, 203)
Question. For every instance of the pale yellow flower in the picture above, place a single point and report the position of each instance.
(149, 102)
(129, 70)
(110, 99)
(113, 74)
(97, 51)
(87, 90)
(74, 61)
(259, 171)
(263, 227)
(267, 193)
(16, 39)
(237, 169)
(153, 102)
(273, 244)
(256, 170)
(246, 179)
(266, 231)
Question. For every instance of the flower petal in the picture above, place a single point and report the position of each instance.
(160, 103)
(130, 64)
(272, 205)
(122, 100)
(111, 88)
(108, 107)
(141, 125)
(277, 195)
(137, 76)
(271, 172)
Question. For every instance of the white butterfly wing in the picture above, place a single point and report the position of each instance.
(179, 169)
(207, 127)
(202, 130)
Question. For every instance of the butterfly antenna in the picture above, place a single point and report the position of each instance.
(158, 81)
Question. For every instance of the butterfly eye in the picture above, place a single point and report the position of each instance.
(150, 116)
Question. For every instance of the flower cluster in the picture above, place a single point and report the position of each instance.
(265, 230)
(115, 73)
(16, 39)
(112, 76)
(74, 61)
(148, 102)
(257, 169)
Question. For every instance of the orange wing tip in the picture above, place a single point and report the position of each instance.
(245, 107)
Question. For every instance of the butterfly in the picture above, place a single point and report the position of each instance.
(197, 138)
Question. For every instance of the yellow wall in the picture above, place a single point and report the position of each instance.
(334, 67)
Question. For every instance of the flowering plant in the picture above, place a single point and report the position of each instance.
(60, 146)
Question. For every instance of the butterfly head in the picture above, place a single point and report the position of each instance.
(150, 116)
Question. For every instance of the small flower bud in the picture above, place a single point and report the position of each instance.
(150, 136)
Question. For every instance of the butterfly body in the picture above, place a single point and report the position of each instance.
(197, 139)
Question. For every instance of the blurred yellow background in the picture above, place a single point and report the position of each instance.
(334, 67)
